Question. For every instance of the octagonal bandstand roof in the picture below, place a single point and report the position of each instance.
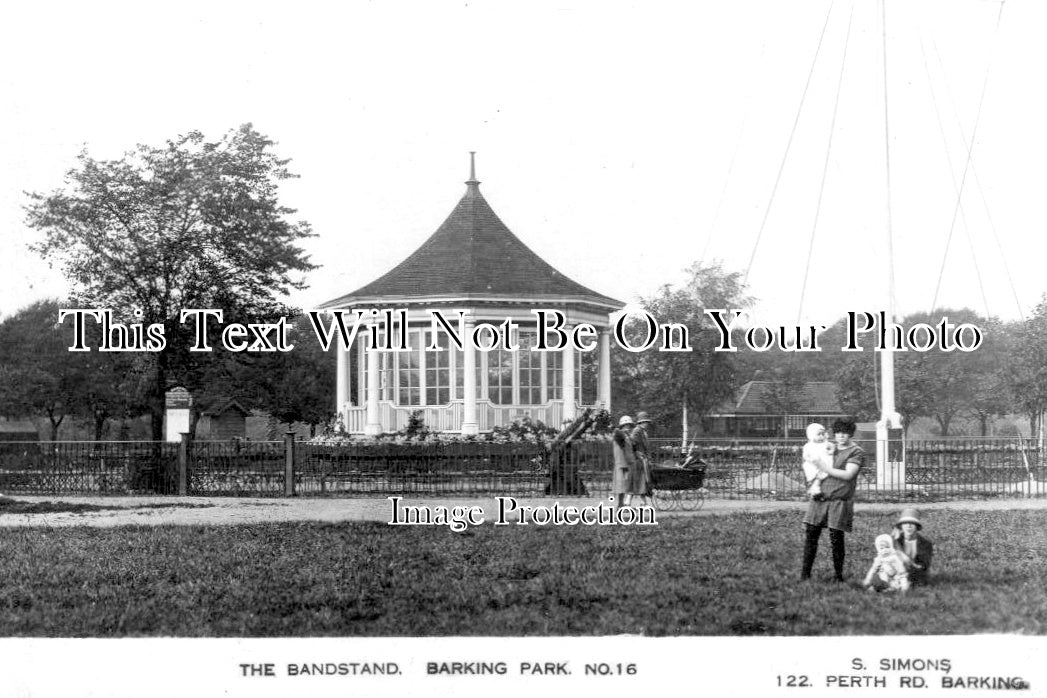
(473, 257)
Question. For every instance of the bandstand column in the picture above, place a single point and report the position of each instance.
(605, 369)
(469, 424)
(570, 406)
(373, 427)
(342, 384)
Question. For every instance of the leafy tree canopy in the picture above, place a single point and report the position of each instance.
(191, 224)
(664, 383)
(942, 385)
(39, 377)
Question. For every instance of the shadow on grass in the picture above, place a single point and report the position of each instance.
(9, 505)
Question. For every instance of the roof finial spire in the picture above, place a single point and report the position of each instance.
(472, 169)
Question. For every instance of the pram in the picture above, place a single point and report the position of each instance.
(680, 486)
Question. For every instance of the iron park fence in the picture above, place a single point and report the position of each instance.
(961, 467)
(79, 467)
(735, 468)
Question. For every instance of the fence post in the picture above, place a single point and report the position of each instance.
(183, 464)
(289, 464)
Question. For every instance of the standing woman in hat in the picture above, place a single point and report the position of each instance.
(835, 510)
(640, 480)
(916, 549)
(624, 461)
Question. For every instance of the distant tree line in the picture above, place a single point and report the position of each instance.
(41, 378)
(198, 224)
(1006, 375)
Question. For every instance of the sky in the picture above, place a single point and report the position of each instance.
(621, 141)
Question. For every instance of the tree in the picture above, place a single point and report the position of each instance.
(115, 386)
(34, 379)
(672, 384)
(787, 372)
(942, 385)
(799, 367)
(955, 383)
(40, 377)
(991, 394)
(192, 224)
(296, 386)
(1025, 371)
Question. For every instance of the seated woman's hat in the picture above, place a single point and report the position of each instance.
(642, 417)
(626, 419)
(909, 516)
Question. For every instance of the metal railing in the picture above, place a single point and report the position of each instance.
(450, 468)
(929, 469)
(735, 468)
(87, 467)
(235, 468)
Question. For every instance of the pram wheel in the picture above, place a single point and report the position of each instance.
(692, 500)
(665, 500)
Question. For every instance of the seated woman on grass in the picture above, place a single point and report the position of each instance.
(917, 549)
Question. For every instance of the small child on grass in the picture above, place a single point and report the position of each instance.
(888, 571)
(817, 448)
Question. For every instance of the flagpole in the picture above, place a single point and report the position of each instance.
(889, 417)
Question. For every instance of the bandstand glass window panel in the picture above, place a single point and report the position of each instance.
(587, 377)
(386, 361)
(438, 371)
(385, 370)
(459, 374)
(409, 365)
(530, 371)
(554, 374)
(361, 370)
(353, 360)
(500, 376)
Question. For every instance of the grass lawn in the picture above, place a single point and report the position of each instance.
(715, 575)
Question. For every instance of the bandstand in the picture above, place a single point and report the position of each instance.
(473, 264)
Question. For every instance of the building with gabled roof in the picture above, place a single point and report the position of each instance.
(226, 419)
(752, 411)
(472, 267)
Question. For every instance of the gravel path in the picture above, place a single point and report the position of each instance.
(156, 511)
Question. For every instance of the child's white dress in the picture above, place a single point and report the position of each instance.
(891, 572)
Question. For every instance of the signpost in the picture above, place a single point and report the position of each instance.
(178, 405)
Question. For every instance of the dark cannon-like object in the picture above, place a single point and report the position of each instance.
(563, 460)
